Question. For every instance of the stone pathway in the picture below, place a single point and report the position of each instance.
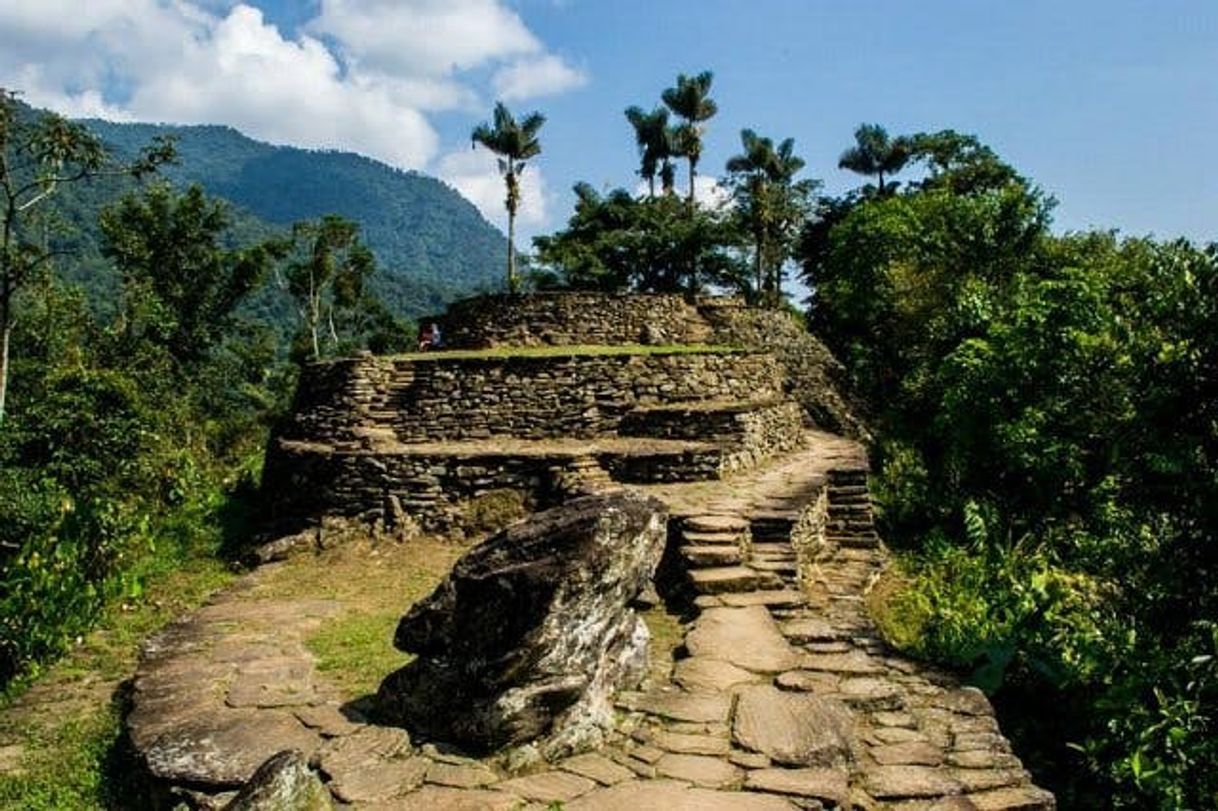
(786, 697)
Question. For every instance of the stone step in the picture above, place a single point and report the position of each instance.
(712, 538)
(858, 542)
(782, 567)
(847, 511)
(848, 490)
(715, 523)
(732, 579)
(772, 598)
(772, 548)
(704, 556)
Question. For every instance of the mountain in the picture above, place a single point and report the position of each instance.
(431, 244)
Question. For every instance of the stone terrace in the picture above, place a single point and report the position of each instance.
(783, 695)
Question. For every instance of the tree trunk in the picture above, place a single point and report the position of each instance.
(692, 175)
(6, 332)
(512, 252)
(314, 326)
(758, 270)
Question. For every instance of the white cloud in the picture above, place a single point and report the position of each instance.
(475, 173)
(424, 36)
(536, 76)
(362, 75)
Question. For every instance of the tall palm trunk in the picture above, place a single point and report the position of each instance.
(513, 200)
(511, 251)
(6, 332)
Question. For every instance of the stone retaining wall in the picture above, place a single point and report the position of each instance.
(811, 374)
(443, 398)
(570, 318)
(302, 483)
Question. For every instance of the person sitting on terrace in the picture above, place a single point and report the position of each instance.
(426, 337)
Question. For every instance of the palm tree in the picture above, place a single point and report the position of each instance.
(771, 203)
(874, 153)
(690, 100)
(655, 141)
(514, 142)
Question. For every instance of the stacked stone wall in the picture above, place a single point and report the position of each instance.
(812, 375)
(302, 483)
(445, 399)
(570, 318)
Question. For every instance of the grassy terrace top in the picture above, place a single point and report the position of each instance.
(504, 352)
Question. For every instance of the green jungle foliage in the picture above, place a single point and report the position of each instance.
(132, 428)
(661, 243)
(1046, 414)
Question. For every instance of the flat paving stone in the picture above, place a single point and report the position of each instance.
(702, 674)
(692, 744)
(694, 707)
(597, 767)
(438, 798)
(376, 780)
(225, 748)
(673, 795)
(794, 729)
(807, 681)
(908, 782)
(701, 770)
(855, 662)
(831, 785)
(548, 787)
(460, 776)
(746, 637)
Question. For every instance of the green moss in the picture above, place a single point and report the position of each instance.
(492, 511)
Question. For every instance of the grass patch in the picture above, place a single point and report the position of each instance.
(582, 350)
(355, 651)
(376, 584)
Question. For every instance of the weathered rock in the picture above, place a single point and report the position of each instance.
(532, 633)
(224, 749)
(283, 783)
(794, 729)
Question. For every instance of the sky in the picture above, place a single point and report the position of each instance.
(1110, 105)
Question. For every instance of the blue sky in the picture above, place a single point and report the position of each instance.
(1111, 106)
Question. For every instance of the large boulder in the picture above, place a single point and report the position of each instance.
(533, 632)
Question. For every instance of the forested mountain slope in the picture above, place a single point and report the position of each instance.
(431, 244)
